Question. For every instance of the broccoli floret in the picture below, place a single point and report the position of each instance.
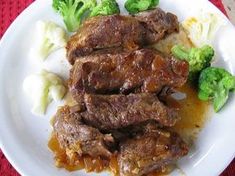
(135, 6)
(198, 58)
(215, 84)
(106, 7)
(73, 11)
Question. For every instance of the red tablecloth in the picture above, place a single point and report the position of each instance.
(9, 10)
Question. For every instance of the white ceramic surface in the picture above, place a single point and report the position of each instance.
(24, 137)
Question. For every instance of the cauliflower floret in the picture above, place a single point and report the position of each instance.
(43, 88)
(202, 29)
(48, 37)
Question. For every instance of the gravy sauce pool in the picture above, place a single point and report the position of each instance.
(193, 113)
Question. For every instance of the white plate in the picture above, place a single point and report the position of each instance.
(24, 137)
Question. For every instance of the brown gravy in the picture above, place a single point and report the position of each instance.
(192, 111)
(72, 162)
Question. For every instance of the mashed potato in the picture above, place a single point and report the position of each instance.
(166, 44)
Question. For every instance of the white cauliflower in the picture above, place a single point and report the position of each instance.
(48, 38)
(202, 29)
(43, 88)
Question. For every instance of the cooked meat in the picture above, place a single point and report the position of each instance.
(117, 87)
(131, 131)
(104, 32)
(143, 147)
(127, 32)
(73, 134)
(108, 112)
(150, 151)
(142, 70)
(158, 24)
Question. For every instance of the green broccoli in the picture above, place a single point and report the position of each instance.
(73, 11)
(215, 83)
(198, 59)
(106, 7)
(135, 6)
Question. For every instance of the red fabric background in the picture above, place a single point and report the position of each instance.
(9, 10)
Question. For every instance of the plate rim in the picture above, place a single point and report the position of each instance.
(3, 40)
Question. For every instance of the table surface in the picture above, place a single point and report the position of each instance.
(9, 10)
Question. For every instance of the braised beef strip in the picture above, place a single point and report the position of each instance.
(152, 150)
(143, 70)
(78, 137)
(127, 32)
(157, 24)
(109, 112)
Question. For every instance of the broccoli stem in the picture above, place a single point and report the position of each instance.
(180, 52)
(220, 97)
(74, 11)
